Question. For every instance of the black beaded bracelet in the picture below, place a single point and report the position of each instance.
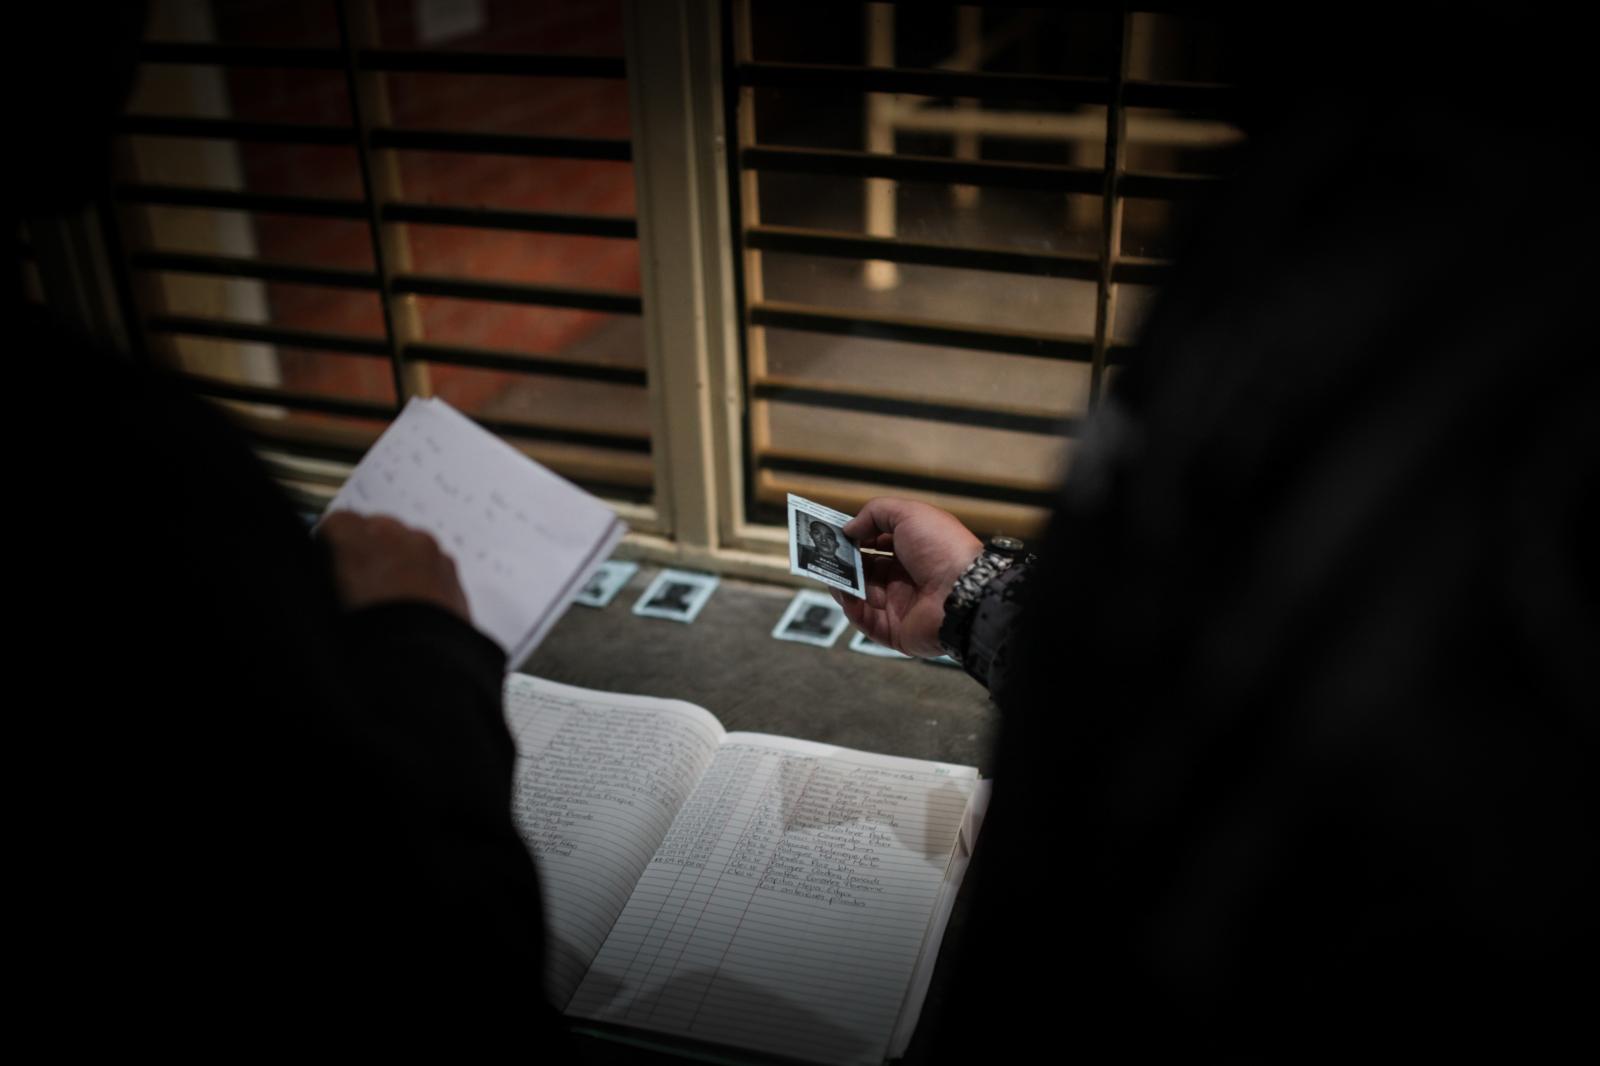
(962, 603)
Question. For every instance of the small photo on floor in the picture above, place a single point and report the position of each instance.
(677, 595)
(811, 618)
(604, 584)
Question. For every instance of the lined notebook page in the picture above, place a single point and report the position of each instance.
(598, 779)
(522, 538)
(786, 909)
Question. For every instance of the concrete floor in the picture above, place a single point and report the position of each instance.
(727, 662)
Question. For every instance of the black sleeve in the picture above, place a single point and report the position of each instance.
(1298, 749)
(250, 811)
(460, 893)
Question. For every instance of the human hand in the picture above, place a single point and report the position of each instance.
(380, 560)
(906, 592)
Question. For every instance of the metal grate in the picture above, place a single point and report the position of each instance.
(904, 398)
(333, 423)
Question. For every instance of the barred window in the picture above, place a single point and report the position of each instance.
(952, 220)
(692, 254)
(329, 208)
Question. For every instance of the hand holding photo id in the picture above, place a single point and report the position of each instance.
(819, 549)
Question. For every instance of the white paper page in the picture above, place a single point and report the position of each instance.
(523, 539)
(922, 976)
(599, 777)
(786, 910)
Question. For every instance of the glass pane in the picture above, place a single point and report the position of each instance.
(1011, 383)
(1153, 229)
(282, 23)
(552, 107)
(579, 336)
(534, 258)
(919, 447)
(1182, 48)
(1168, 142)
(335, 375)
(559, 403)
(1006, 39)
(358, 377)
(1133, 304)
(573, 186)
(1027, 220)
(554, 27)
(978, 298)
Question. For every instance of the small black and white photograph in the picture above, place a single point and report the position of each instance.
(604, 584)
(676, 594)
(867, 646)
(811, 618)
(819, 549)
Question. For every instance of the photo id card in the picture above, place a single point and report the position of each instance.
(676, 594)
(867, 646)
(819, 549)
(811, 618)
(604, 584)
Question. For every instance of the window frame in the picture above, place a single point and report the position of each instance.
(696, 309)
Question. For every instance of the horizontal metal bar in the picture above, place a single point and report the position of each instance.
(966, 257)
(289, 437)
(488, 359)
(241, 267)
(248, 331)
(923, 82)
(614, 441)
(1190, 97)
(235, 55)
(619, 226)
(1086, 127)
(931, 169)
(609, 148)
(898, 479)
(295, 440)
(526, 64)
(921, 331)
(932, 412)
(225, 129)
(1139, 270)
(385, 59)
(230, 200)
(362, 409)
(507, 292)
(228, 390)
(1169, 186)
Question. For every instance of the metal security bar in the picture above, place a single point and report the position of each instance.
(386, 212)
(963, 104)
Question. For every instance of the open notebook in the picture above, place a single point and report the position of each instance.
(735, 889)
(523, 539)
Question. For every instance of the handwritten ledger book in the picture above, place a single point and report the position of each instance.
(735, 889)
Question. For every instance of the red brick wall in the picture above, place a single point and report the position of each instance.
(554, 106)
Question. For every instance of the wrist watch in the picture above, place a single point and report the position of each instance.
(962, 602)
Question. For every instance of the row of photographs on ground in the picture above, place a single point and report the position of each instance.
(812, 617)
